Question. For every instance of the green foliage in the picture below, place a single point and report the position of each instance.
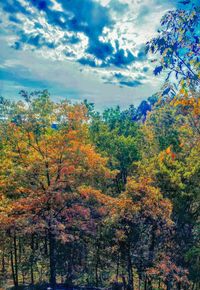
(117, 136)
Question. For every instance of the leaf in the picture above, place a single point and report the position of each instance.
(168, 150)
(158, 70)
(166, 91)
(185, 2)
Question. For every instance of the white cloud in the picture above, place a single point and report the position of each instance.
(58, 66)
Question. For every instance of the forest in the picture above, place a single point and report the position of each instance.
(106, 199)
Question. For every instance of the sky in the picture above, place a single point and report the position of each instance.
(80, 49)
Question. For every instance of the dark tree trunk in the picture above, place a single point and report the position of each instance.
(32, 259)
(124, 176)
(46, 250)
(159, 283)
(52, 259)
(117, 270)
(13, 268)
(96, 275)
(149, 285)
(145, 284)
(16, 260)
(3, 269)
(139, 283)
(124, 282)
(152, 245)
(20, 250)
(23, 278)
(69, 278)
(169, 285)
(139, 279)
(97, 266)
(130, 271)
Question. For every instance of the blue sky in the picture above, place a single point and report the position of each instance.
(80, 49)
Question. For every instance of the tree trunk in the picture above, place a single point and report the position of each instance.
(124, 282)
(124, 176)
(13, 268)
(149, 285)
(117, 270)
(152, 245)
(159, 283)
(69, 278)
(16, 260)
(139, 283)
(97, 266)
(169, 286)
(3, 269)
(130, 271)
(140, 278)
(145, 284)
(32, 259)
(198, 285)
(52, 259)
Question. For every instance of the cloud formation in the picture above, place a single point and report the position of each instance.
(104, 38)
(66, 23)
(85, 31)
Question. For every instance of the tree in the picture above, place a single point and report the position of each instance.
(170, 158)
(116, 135)
(177, 44)
(47, 162)
(142, 221)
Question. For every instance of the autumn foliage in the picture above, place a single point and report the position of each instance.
(73, 210)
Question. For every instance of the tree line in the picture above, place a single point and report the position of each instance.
(94, 199)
